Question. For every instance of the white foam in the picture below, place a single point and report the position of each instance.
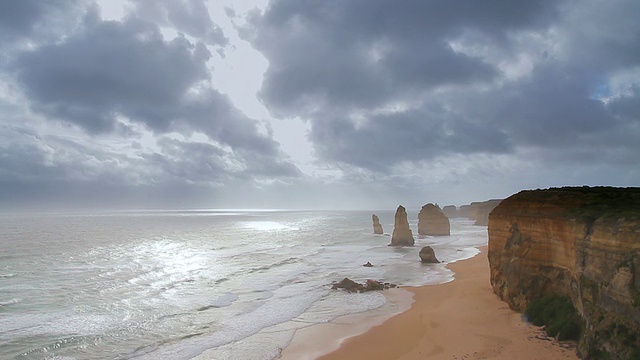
(10, 302)
(169, 287)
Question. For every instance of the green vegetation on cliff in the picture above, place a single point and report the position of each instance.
(557, 315)
(582, 246)
(589, 203)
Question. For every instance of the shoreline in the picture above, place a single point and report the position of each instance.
(461, 319)
(320, 339)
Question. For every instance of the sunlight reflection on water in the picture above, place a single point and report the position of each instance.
(165, 286)
(267, 226)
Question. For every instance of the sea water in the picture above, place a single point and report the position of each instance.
(173, 284)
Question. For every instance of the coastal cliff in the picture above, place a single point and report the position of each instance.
(479, 211)
(580, 243)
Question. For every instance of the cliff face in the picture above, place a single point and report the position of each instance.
(402, 234)
(582, 243)
(479, 211)
(377, 227)
(432, 221)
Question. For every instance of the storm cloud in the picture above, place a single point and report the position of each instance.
(354, 104)
(105, 82)
(383, 83)
(188, 16)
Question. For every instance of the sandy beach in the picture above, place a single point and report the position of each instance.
(462, 319)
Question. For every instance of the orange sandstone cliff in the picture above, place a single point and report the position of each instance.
(582, 243)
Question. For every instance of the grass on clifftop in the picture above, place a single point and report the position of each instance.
(557, 315)
(589, 203)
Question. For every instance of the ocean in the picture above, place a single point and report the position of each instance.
(173, 284)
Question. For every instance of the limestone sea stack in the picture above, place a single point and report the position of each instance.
(402, 235)
(427, 255)
(451, 211)
(432, 221)
(377, 227)
(464, 211)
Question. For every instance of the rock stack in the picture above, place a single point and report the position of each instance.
(432, 221)
(464, 211)
(451, 211)
(402, 235)
(427, 255)
(377, 227)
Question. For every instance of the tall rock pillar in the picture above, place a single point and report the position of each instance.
(377, 227)
(402, 235)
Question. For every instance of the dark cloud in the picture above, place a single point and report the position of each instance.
(26, 156)
(422, 64)
(188, 16)
(52, 171)
(19, 18)
(208, 163)
(627, 105)
(29, 157)
(364, 52)
(102, 98)
(30, 23)
(112, 69)
(601, 36)
(127, 69)
(383, 84)
(385, 140)
(411, 102)
(552, 108)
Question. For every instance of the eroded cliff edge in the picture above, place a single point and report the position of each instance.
(582, 243)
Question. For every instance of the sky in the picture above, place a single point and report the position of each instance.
(301, 104)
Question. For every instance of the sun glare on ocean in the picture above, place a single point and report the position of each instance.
(267, 226)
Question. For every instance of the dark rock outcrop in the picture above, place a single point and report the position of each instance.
(432, 221)
(370, 285)
(427, 255)
(402, 235)
(348, 285)
(451, 211)
(377, 227)
(581, 243)
(373, 285)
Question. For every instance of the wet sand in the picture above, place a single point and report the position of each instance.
(462, 319)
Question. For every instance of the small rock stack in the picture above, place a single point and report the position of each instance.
(427, 255)
(377, 227)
